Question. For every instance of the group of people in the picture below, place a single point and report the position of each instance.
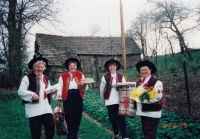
(71, 92)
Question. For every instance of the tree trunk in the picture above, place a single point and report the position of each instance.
(170, 43)
(142, 42)
(182, 44)
(97, 67)
(14, 55)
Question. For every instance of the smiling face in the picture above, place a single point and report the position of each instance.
(112, 68)
(72, 67)
(145, 71)
(39, 68)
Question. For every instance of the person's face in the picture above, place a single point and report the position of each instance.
(39, 69)
(145, 71)
(112, 68)
(72, 67)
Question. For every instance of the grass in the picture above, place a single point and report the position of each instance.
(14, 125)
(174, 63)
(172, 126)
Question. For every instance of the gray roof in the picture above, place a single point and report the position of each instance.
(85, 45)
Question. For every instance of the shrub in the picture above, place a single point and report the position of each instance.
(171, 125)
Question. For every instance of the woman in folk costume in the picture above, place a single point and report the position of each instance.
(71, 91)
(37, 102)
(149, 112)
(110, 96)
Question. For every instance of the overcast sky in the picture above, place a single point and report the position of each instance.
(78, 16)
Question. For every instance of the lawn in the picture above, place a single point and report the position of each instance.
(14, 125)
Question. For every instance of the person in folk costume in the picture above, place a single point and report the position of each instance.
(110, 96)
(71, 91)
(149, 112)
(37, 102)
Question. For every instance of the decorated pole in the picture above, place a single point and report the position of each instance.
(123, 40)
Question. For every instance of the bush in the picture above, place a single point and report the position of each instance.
(7, 96)
(171, 125)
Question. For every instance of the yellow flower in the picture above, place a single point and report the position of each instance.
(153, 94)
(136, 92)
(134, 96)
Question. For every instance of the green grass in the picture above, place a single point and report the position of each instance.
(174, 63)
(172, 126)
(14, 125)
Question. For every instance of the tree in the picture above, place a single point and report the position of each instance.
(138, 31)
(16, 18)
(172, 15)
(94, 29)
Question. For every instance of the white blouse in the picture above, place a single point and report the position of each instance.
(34, 109)
(154, 114)
(114, 94)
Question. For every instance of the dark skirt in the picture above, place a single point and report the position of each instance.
(73, 107)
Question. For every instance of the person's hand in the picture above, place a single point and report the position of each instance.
(35, 97)
(53, 91)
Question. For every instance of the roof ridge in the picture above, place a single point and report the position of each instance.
(80, 36)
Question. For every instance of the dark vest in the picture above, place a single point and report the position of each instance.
(150, 107)
(32, 86)
(108, 87)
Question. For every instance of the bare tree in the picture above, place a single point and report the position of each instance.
(138, 31)
(16, 18)
(94, 29)
(169, 39)
(172, 15)
(155, 40)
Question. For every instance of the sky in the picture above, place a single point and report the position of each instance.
(77, 17)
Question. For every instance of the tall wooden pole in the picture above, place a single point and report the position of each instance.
(123, 40)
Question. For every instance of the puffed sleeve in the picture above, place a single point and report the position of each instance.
(54, 95)
(158, 87)
(60, 86)
(102, 87)
(23, 91)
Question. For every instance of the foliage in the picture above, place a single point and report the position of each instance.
(171, 125)
(16, 19)
(95, 107)
(7, 96)
(14, 125)
(194, 65)
(53, 82)
(172, 63)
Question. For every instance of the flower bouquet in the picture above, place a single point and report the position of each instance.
(144, 94)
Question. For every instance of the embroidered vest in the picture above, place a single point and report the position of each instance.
(66, 79)
(150, 107)
(108, 87)
(32, 86)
